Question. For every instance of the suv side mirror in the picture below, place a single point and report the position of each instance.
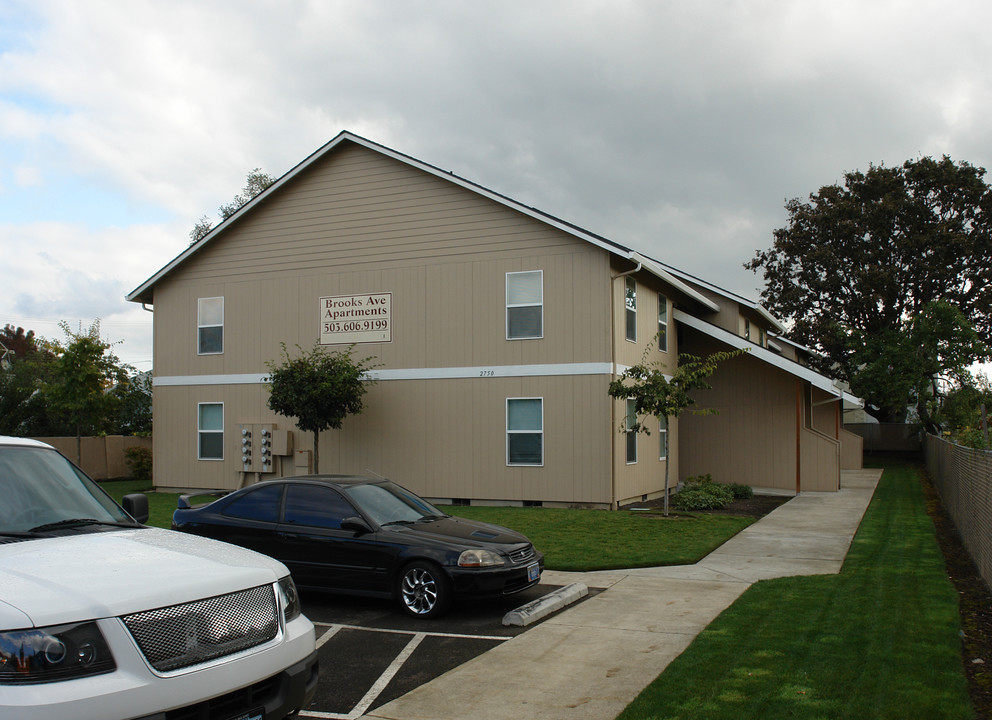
(136, 506)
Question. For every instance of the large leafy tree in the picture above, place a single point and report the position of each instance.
(256, 182)
(23, 371)
(859, 266)
(82, 377)
(320, 389)
(665, 396)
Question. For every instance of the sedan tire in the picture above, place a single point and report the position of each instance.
(424, 590)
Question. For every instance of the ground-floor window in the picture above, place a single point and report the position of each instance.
(210, 431)
(631, 425)
(525, 431)
(663, 432)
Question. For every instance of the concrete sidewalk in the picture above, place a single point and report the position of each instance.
(590, 661)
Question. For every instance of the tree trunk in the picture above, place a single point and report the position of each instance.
(316, 452)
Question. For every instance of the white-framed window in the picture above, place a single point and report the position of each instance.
(210, 431)
(662, 323)
(210, 326)
(525, 431)
(631, 436)
(525, 305)
(630, 307)
(663, 433)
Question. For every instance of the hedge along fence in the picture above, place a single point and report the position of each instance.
(103, 458)
(963, 477)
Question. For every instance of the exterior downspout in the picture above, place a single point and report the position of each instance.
(799, 434)
(613, 404)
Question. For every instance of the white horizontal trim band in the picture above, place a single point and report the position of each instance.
(482, 371)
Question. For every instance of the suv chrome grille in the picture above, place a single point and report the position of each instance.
(521, 555)
(195, 632)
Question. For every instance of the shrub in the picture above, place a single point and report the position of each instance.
(139, 462)
(741, 492)
(701, 493)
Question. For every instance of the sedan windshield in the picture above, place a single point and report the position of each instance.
(387, 503)
(40, 488)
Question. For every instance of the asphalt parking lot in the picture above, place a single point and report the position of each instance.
(371, 653)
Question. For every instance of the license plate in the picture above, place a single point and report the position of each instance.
(256, 714)
(533, 572)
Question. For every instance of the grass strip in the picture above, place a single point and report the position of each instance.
(581, 540)
(879, 640)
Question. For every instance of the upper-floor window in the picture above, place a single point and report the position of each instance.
(747, 329)
(525, 305)
(662, 323)
(210, 326)
(210, 431)
(630, 306)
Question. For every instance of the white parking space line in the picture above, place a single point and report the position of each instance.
(394, 667)
(335, 627)
(384, 679)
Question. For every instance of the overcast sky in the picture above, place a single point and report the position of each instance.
(676, 128)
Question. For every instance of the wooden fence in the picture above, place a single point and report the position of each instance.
(102, 458)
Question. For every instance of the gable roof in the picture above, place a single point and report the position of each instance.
(144, 292)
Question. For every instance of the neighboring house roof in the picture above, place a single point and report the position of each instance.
(793, 368)
(143, 293)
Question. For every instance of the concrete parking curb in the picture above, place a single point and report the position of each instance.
(544, 606)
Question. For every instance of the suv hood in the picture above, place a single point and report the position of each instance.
(50, 581)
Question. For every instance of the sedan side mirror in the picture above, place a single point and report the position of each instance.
(136, 506)
(356, 525)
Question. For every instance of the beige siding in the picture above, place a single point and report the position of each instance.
(442, 438)
(752, 438)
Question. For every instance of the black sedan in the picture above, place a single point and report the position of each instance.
(368, 536)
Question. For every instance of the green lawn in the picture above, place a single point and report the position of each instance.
(879, 640)
(581, 540)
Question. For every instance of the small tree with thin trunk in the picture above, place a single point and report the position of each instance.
(665, 397)
(320, 389)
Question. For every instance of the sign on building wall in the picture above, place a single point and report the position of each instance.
(346, 319)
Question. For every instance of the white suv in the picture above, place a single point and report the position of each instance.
(102, 617)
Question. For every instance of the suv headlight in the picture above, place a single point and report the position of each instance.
(480, 558)
(43, 655)
(290, 599)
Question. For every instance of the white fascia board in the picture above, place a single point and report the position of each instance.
(658, 271)
(736, 341)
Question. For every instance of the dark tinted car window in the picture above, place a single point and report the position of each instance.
(261, 504)
(316, 506)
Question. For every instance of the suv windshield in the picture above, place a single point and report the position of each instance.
(40, 487)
